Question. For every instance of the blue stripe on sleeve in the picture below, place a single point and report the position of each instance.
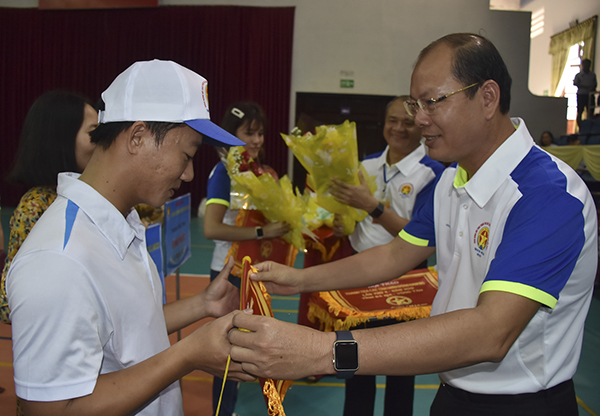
(219, 184)
(373, 156)
(544, 232)
(70, 215)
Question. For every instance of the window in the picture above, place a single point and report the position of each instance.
(537, 23)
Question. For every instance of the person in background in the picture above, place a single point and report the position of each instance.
(586, 83)
(404, 175)
(506, 325)
(89, 328)
(547, 139)
(55, 138)
(246, 121)
(573, 140)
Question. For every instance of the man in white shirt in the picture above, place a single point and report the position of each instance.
(90, 332)
(404, 175)
(515, 282)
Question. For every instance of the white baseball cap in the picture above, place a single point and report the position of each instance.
(163, 91)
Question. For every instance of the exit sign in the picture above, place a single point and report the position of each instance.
(346, 83)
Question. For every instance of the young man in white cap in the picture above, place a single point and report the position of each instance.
(90, 332)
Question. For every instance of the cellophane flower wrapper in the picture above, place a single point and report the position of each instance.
(316, 216)
(275, 199)
(332, 152)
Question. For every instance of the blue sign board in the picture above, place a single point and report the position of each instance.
(178, 243)
(154, 244)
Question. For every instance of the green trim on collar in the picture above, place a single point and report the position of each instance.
(461, 178)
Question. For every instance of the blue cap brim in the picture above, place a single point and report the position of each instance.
(213, 134)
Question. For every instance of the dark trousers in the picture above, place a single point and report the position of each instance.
(583, 102)
(360, 396)
(231, 387)
(556, 401)
(399, 390)
(229, 396)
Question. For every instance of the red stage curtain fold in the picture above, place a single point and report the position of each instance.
(244, 52)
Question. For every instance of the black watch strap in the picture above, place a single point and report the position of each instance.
(344, 336)
(376, 213)
(345, 355)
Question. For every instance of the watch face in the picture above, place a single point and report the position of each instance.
(346, 356)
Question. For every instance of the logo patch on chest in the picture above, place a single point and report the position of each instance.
(481, 238)
(405, 190)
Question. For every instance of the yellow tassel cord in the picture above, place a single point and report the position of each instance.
(223, 386)
(273, 390)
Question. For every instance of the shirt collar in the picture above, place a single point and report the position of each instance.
(409, 162)
(497, 167)
(118, 230)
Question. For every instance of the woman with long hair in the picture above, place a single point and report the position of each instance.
(55, 138)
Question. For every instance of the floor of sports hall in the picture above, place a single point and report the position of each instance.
(322, 398)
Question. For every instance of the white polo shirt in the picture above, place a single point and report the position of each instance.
(525, 223)
(85, 299)
(400, 187)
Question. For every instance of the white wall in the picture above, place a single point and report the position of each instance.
(378, 41)
(558, 14)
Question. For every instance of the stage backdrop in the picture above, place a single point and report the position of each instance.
(244, 52)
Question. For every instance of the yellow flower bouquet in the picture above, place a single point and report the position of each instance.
(332, 152)
(275, 199)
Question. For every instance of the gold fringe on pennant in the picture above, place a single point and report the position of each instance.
(274, 407)
(254, 295)
(353, 318)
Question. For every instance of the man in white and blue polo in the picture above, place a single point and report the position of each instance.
(515, 233)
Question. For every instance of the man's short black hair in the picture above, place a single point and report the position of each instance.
(105, 134)
(476, 60)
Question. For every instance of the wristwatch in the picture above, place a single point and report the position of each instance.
(376, 213)
(259, 233)
(345, 355)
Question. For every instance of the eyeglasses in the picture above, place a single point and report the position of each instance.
(412, 107)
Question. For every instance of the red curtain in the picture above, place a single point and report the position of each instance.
(244, 52)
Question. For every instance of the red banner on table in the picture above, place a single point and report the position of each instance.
(95, 4)
(405, 298)
(254, 295)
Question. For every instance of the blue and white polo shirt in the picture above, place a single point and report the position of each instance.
(525, 223)
(401, 186)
